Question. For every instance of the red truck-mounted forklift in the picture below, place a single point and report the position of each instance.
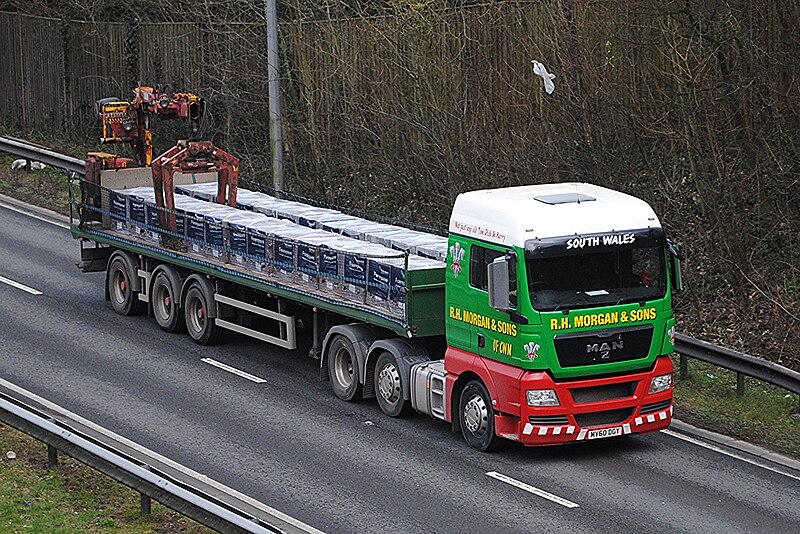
(128, 122)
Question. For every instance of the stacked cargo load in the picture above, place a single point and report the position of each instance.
(391, 236)
(280, 241)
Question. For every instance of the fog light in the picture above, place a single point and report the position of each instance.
(661, 383)
(542, 397)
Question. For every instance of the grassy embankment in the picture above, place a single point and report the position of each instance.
(71, 497)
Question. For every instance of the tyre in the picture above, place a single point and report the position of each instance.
(343, 370)
(388, 387)
(202, 328)
(476, 417)
(119, 276)
(167, 314)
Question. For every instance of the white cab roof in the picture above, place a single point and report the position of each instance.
(512, 215)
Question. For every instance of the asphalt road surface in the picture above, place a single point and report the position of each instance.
(342, 468)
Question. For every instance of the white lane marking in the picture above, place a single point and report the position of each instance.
(233, 370)
(161, 459)
(530, 489)
(23, 287)
(33, 215)
(726, 453)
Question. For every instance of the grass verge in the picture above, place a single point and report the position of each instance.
(766, 415)
(71, 497)
(46, 188)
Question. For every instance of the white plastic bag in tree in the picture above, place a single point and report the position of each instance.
(548, 78)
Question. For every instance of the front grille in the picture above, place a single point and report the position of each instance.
(656, 406)
(548, 420)
(608, 417)
(603, 346)
(603, 393)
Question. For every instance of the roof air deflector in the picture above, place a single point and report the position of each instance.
(564, 198)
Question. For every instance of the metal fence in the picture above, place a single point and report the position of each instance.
(189, 493)
(742, 364)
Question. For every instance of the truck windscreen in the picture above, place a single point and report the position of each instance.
(596, 278)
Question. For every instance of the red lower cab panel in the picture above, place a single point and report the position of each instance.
(588, 409)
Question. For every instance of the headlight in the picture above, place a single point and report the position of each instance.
(542, 397)
(661, 383)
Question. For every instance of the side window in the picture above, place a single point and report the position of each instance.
(479, 258)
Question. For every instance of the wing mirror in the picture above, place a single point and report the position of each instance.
(501, 283)
(675, 259)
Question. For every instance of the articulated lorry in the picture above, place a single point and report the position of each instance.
(544, 317)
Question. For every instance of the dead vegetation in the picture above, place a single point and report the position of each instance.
(394, 107)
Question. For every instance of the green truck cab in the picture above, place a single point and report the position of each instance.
(565, 292)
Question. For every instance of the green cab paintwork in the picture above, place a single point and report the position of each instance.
(473, 325)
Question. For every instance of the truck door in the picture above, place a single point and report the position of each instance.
(471, 323)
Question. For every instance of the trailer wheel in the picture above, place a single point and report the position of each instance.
(476, 417)
(119, 277)
(388, 387)
(165, 304)
(202, 328)
(343, 370)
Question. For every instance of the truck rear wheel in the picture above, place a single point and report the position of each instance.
(119, 278)
(165, 304)
(388, 387)
(202, 328)
(343, 370)
(476, 417)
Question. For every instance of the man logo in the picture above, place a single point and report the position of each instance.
(604, 349)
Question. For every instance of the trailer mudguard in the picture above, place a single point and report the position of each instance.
(174, 278)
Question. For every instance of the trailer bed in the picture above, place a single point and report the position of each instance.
(130, 222)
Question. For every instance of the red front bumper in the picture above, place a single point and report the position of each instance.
(590, 409)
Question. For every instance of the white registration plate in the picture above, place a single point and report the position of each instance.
(604, 433)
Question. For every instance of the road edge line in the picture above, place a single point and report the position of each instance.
(728, 442)
(36, 212)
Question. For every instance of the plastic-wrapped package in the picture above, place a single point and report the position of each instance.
(239, 224)
(205, 191)
(435, 249)
(205, 230)
(397, 237)
(333, 221)
(361, 229)
(267, 205)
(386, 286)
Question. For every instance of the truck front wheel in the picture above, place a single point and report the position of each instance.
(202, 328)
(343, 369)
(476, 417)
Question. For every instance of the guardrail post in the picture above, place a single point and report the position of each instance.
(145, 507)
(145, 504)
(739, 385)
(52, 456)
(684, 367)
